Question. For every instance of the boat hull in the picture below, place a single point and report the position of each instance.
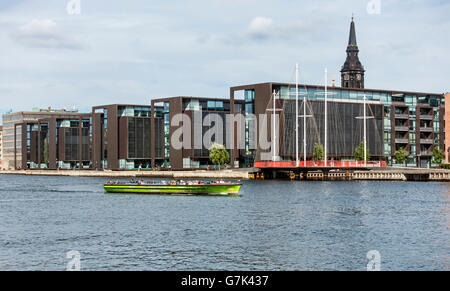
(207, 189)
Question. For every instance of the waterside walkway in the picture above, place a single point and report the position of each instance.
(224, 174)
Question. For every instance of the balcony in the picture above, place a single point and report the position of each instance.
(427, 141)
(401, 116)
(426, 153)
(426, 117)
(426, 129)
(402, 128)
(402, 140)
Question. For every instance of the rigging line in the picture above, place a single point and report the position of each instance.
(376, 127)
(307, 105)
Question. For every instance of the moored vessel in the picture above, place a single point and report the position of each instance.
(211, 188)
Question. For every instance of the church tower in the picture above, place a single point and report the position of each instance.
(352, 72)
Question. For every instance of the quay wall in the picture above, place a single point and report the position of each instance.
(224, 174)
(433, 175)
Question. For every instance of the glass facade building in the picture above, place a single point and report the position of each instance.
(202, 113)
(122, 136)
(410, 120)
(20, 133)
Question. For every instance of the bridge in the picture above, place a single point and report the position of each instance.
(276, 169)
(319, 165)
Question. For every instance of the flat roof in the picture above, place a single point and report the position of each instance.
(44, 113)
(189, 97)
(242, 87)
(109, 105)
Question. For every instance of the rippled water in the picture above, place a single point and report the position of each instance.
(276, 225)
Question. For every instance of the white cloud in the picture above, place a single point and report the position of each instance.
(43, 33)
(36, 26)
(260, 26)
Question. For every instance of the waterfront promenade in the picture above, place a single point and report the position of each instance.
(199, 174)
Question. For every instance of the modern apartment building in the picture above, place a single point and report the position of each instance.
(58, 142)
(15, 134)
(410, 120)
(200, 112)
(122, 136)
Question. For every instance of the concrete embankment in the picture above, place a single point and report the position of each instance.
(224, 174)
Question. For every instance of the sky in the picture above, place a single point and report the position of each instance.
(111, 51)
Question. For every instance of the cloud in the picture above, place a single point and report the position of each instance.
(43, 33)
(131, 52)
(260, 27)
(297, 31)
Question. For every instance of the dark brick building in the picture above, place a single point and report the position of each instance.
(122, 136)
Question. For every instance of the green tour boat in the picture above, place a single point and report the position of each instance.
(176, 188)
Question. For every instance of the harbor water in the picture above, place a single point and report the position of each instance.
(275, 225)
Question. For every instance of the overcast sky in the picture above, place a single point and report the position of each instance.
(132, 51)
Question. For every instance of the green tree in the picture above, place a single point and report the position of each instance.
(219, 155)
(319, 152)
(438, 155)
(359, 152)
(401, 155)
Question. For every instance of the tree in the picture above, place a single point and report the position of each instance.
(219, 155)
(319, 152)
(401, 155)
(438, 155)
(359, 152)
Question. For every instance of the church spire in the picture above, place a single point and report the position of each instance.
(352, 38)
(352, 73)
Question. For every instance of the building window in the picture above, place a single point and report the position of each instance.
(249, 96)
